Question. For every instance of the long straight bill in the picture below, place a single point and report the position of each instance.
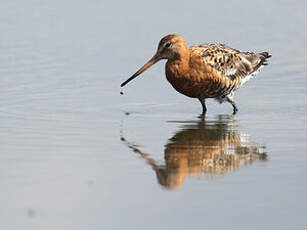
(152, 61)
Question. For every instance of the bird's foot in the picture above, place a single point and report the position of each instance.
(202, 116)
(235, 110)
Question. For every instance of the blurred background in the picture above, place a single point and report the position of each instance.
(75, 154)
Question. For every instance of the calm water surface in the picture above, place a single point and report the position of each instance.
(75, 154)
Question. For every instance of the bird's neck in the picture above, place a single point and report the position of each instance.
(179, 66)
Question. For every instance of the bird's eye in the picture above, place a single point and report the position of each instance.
(167, 45)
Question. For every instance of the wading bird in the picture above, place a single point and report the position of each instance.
(207, 70)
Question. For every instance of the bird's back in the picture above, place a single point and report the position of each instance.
(230, 63)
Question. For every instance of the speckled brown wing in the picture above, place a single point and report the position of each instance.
(229, 62)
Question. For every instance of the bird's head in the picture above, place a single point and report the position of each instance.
(170, 47)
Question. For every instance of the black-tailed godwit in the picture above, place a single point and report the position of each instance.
(207, 70)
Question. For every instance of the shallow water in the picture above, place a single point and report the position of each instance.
(75, 154)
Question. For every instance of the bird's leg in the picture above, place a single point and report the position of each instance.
(230, 99)
(203, 104)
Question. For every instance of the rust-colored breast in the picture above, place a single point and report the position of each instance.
(211, 71)
(197, 78)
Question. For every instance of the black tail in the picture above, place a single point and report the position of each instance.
(264, 58)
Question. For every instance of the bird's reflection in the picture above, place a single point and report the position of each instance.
(210, 147)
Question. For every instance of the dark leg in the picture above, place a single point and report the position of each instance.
(203, 104)
(230, 99)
